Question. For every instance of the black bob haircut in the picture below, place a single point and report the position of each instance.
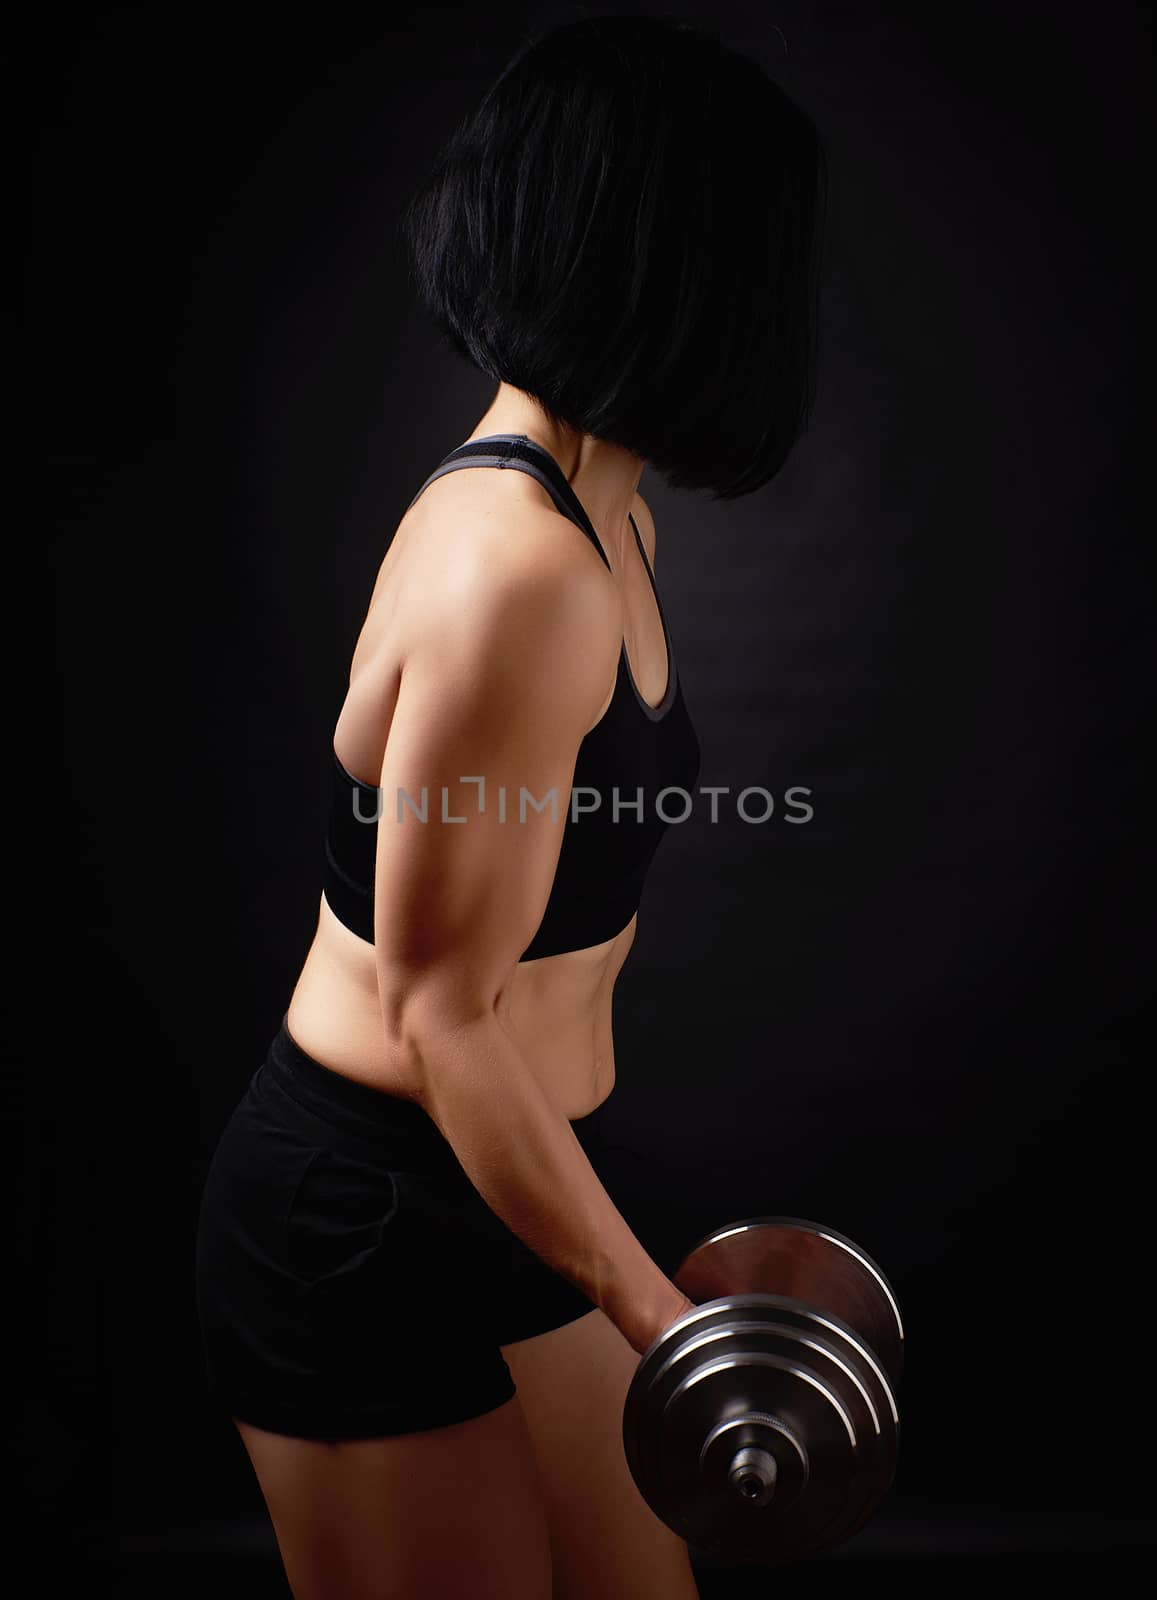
(628, 227)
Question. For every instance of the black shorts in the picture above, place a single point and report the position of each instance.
(350, 1280)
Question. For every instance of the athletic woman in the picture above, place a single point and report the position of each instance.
(418, 1302)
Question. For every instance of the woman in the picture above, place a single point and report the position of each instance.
(418, 1302)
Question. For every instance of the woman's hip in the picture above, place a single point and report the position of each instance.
(339, 1238)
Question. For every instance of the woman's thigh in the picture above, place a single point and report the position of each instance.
(452, 1513)
(605, 1540)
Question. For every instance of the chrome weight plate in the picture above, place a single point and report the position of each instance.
(805, 1261)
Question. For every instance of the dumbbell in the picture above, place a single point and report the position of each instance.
(762, 1425)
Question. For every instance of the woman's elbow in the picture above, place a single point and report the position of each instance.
(425, 1019)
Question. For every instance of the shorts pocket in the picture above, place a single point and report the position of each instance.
(338, 1216)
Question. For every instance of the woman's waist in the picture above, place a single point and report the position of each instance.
(561, 1026)
(576, 1077)
(299, 1101)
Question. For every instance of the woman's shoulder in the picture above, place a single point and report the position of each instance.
(495, 549)
(490, 574)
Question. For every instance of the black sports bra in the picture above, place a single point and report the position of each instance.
(632, 754)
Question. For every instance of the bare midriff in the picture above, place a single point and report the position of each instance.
(557, 1010)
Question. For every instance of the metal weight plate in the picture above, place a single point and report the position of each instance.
(805, 1261)
(760, 1426)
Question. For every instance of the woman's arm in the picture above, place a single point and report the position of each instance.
(514, 657)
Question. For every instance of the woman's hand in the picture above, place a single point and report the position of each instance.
(668, 1312)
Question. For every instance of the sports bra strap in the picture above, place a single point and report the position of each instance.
(516, 450)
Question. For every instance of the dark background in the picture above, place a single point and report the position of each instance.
(917, 1019)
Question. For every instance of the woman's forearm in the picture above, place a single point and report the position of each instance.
(522, 1156)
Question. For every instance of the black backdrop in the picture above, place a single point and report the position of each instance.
(918, 1017)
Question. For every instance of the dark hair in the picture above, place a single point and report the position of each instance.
(628, 227)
